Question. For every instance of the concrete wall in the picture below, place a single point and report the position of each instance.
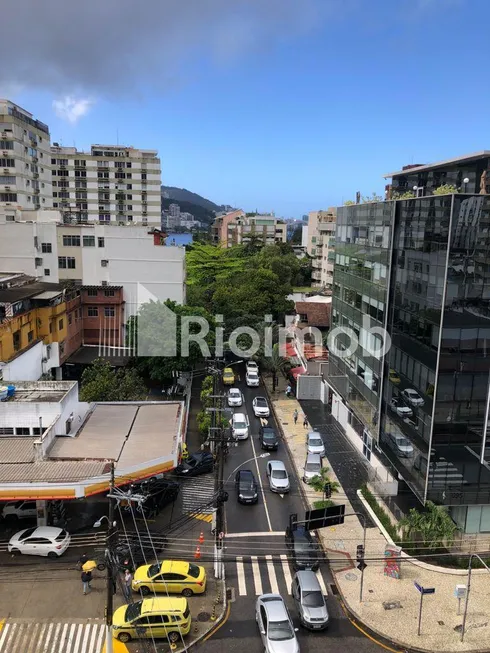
(27, 366)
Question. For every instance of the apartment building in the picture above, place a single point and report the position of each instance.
(419, 268)
(25, 161)
(135, 257)
(320, 245)
(109, 184)
(237, 228)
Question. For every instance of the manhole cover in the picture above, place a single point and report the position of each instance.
(203, 616)
(350, 576)
(391, 605)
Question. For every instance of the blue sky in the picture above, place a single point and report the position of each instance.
(282, 106)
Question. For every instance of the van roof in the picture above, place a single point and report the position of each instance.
(313, 458)
(163, 603)
(308, 581)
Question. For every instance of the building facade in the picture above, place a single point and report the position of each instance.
(419, 269)
(320, 245)
(237, 228)
(25, 162)
(109, 184)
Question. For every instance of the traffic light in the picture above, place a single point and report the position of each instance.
(327, 490)
(360, 557)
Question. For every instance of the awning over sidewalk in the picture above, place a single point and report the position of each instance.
(296, 371)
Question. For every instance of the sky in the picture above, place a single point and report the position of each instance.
(276, 105)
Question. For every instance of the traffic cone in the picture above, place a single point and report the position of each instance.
(197, 554)
(201, 538)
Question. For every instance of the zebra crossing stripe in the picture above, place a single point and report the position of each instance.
(256, 573)
(287, 573)
(272, 575)
(26, 637)
(242, 588)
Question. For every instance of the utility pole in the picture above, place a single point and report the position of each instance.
(110, 572)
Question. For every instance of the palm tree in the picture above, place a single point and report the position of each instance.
(433, 528)
(276, 364)
(319, 482)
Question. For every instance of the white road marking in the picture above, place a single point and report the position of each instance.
(272, 575)
(101, 638)
(47, 646)
(256, 573)
(77, 641)
(287, 573)
(85, 639)
(261, 485)
(3, 634)
(282, 496)
(322, 583)
(92, 641)
(240, 571)
(256, 534)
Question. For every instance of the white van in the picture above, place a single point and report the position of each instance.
(239, 426)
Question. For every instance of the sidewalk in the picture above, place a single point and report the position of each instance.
(390, 607)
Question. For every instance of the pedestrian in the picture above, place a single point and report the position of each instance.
(82, 560)
(295, 415)
(288, 391)
(128, 579)
(305, 422)
(86, 579)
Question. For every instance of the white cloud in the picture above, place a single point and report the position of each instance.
(72, 109)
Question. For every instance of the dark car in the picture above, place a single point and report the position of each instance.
(130, 553)
(246, 487)
(197, 463)
(304, 549)
(268, 438)
(157, 494)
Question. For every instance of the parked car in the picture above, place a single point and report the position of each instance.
(170, 576)
(412, 397)
(246, 486)
(275, 625)
(261, 407)
(19, 510)
(153, 618)
(240, 426)
(313, 466)
(47, 541)
(268, 438)
(304, 549)
(200, 462)
(228, 376)
(158, 493)
(394, 377)
(252, 379)
(235, 397)
(402, 446)
(399, 407)
(309, 600)
(251, 366)
(278, 476)
(129, 553)
(314, 443)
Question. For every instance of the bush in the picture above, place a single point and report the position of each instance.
(323, 504)
(203, 423)
(380, 514)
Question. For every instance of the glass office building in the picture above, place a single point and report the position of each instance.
(419, 269)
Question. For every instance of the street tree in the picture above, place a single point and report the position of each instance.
(100, 382)
(319, 482)
(431, 529)
(276, 364)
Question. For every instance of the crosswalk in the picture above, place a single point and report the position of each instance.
(443, 473)
(197, 496)
(262, 574)
(49, 637)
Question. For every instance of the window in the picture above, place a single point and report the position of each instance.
(104, 217)
(60, 325)
(81, 195)
(109, 311)
(92, 292)
(7, 163)
(16, 339)
(89, 241)
(143, 177)
(6, 179)
(47, 272)
(30, 336)
(101, 242)
(6, 145)
(110, 292)
(104, 263)
(10, 197)
(92, 311)
(46, 248)
(71, 241)
(80, 173)
(66, 262)
(22, 430)
(70, 318)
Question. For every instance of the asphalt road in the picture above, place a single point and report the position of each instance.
(257, 560)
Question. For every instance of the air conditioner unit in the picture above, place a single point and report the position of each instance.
(104, 283)
(7, 187)
(5, 153)
(104, 263)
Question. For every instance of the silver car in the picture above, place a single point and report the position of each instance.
(261, 407)
(275, 625)
(314, 443)
(235, 397)
(278, 476)
(309, 600)
(313, 466)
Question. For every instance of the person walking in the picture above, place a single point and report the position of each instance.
(295, 415)
(305, 422)
(127, 589)
(288, 391)
(86, 579)
(82, 560)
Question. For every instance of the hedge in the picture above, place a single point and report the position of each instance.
(381, 514)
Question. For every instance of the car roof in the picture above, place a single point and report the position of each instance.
(247, 472)
(175, 566)
(277, 464)
(163, 603)
(314, 434)
(261, 399)
(227, 370)
(313, 458)
(252, 372)
(275, 607)
(239, 416)
(47, 531)
(234, 390)
(308, 581)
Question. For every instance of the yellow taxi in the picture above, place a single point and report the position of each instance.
(152, 618)
(228, 376)
(170, 576)
(393, 377)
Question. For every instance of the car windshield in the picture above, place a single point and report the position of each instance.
(403, 442)
(312, 599)
(316, 442)
(194, 571)
(280, 631)
(133, 611)
(153, 570)
(27, 533)
(411, 393)
(234, 393)
(304, 546)
(269, 435)
(312, 467)
(191, 462)
(261, 403)
(240, 425)
(279, 473)
(252, 375)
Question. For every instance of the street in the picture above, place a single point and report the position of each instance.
(257, 560)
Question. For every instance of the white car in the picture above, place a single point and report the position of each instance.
(402, 446)
(251, 366)
(19, 510)
(261, 407)
(235, 397)
(252, 379)
(314, 443)
(239, 426)
(275, 625)
(278, 476)
(47, 541)
(413, 397)
(400, 408)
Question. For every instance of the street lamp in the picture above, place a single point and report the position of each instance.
(98, 523)
(466, 181)
(262, 455)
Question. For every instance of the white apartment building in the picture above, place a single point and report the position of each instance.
(109, 184)
(41, 245)
(25, 160)
(320, 245)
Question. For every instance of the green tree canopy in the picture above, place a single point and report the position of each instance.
(101, 383)
(432, 529)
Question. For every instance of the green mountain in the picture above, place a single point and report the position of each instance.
(199, 212)
(179, 195)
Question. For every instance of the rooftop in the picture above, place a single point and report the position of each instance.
(429, 166)
(317, 313)
(39, 392)
(29, 290)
